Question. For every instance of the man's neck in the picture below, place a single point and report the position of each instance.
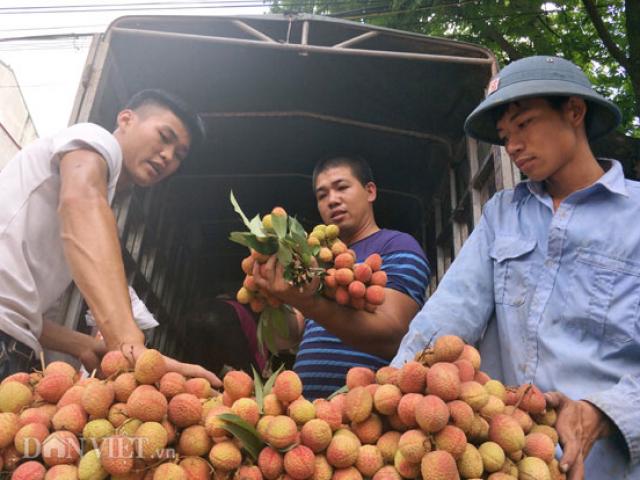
(369, 228)
(580, 173)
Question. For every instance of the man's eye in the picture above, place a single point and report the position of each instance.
(164, 138)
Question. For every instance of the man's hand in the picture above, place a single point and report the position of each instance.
(133, 351)
(269, 277)
(92, 355)
(579, 425)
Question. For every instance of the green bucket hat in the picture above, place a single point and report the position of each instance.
(540, 76)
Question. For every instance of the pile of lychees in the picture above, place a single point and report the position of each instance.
(436, 418)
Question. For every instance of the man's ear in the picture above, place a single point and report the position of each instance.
(576, 110)
(372, 191)
(125, 117)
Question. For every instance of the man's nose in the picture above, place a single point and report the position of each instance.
(513, 145)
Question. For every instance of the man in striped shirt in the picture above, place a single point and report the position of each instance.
(336, 338)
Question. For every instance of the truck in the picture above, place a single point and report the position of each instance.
(278, 92)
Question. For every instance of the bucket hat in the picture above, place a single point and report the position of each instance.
(540, 76)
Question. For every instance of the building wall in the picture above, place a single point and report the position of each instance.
(16, 126)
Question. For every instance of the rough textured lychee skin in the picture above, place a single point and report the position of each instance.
(362, 272)
(387, 472)
(448, 348)
(387, 374)
(62, 472)
(532, 399)
(200, 387)
(470, 462)
(52, 387)
(432, 414)
(21, 377)
(73, 395)
(97, 398)
(451, 439)
(301, 411)
(539, 445)
(461, 415)
(171, 384)
(407, 409)
(466, 371)
(35, 415)
(213, 424)
(299, 462)
(60, 448)
(322, 469)
(328, 412)
(338, 401)
(281, 432)
(129, 427)
(405, 468)
(492, 455)
(533, 468)
(388, 445)
(316, 434)
(349, 473)
(114, 362)
(369, 430)
(237, 384)
(170, 471)
(150, 367)
(288, 386)
(247, 409)
(386, 399)
(9, 425)
(358, 404)
(194, 441)
(124, 385)
(30, 470)
(151, 438)
(117, 414)
(342, 451)
(116, 454)
(439, 465)
(471, 353)
(413, 444)
(479, 431)
(271, 463)
(443, 380)
(492, 408)
(546, 430)
(90, 467)
(184, 410)
(14, 396)
(369, 460)
(72, 418)
(374, 295)
(196, 468)
(522, 417)
(474, 394)
(271, 405)
(246, 472)
(506, 432)
(225, 456)
(147, 404)
(374, 261)
(412, 377)
(359, 377)
(97, 430)
(29, 439)
(61, 367)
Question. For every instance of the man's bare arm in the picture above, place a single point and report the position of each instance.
(92, 248)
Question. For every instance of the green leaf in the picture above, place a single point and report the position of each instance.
(245, 433)
(270, 338)
(238, 210)
(279, 322)
(257, 382)
(259, 335)
(268, 247)
(343, 389)
(255, 226)
(279, 224)
(284, 255)
(268, 385)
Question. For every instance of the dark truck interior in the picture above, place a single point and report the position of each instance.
(274, 102)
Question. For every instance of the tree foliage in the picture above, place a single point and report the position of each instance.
(601, 36)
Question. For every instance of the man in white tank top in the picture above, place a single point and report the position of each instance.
(56, 225)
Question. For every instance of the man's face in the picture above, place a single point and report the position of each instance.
(154, 142)
(342, 199)
(539, 139)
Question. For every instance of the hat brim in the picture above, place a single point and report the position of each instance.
(481, 123)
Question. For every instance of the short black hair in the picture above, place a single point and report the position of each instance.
(359, 166)
(556, 102)
(179, 107)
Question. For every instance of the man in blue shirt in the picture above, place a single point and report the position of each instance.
(549, 280)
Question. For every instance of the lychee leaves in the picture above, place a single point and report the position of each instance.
(245, 433)
(263, 389)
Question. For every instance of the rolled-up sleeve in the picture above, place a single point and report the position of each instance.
(621, 404)
(464, 300)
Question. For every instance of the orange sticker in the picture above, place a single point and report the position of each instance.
(493, 85)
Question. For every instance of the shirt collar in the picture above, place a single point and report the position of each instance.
(613, 180)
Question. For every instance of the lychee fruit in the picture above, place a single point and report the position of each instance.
(169, 471)
(405, 468)
(470, 462)
(539, 445)
(412, 377)
(29, 439)
(171, 384)
(281, 432)
(448, 348)
(388, 445)
(387, 472)
(407, 409)
(374, 295)
(271, 405)
(342, 451)
(61, 368)
(184, 410)
(71, 417)
(194, 441)
(439, 465)
(369, 430)
(369, 460)
(147, 404)
(432, 414)
(114, 362)
(97, 398)
(225, 456)
(414, 444)
(362, 272)
(474, 394)
(196, 468)
(214, 424)
(322, 469)
(386, 399)
(53, 386)
(63, 472)
(14, 396)
(506, 432)
(90, 467)
(493, 456)
(124, 385)
(151, 438)
(30, 470)
(461, 415)
(200, 387)
(496, 388)
(533, 468)
(316, 434)
(60, 448)
(451, 439)
(97, 430)
(443, 380)
(299, 462)
(374, 261)
(150, 367)
(116, 454)
(328, 412)
(237, 384)
(9, 425)
(358, 404)
(531, 399)
(271, 463)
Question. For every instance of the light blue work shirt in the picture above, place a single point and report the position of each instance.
(554, 300)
